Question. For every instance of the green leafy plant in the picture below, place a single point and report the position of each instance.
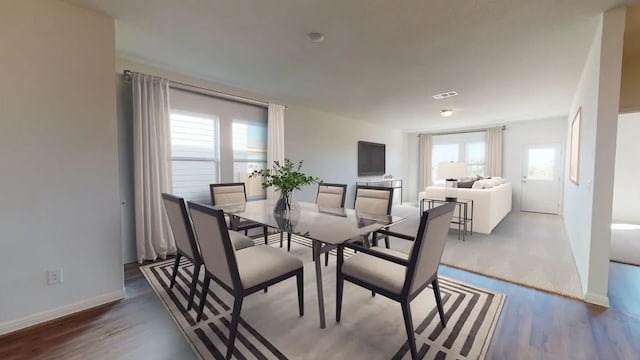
(285, 177)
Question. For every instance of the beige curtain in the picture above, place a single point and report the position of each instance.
(426, 147)
(151, 166)
(494, 152)
(275, 139)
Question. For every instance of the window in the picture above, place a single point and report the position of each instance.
(463, 147)
(249, 154)
(194, 154)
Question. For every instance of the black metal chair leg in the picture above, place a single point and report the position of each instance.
(194, 284)
(281, 236)
(326, 259)
(175, 270)
(300, 280)
(288, 241)
(203, 296)
(436, 293)
(386, 241)
(233, 330)
(339, 284)
(408, 323)
(266, 235)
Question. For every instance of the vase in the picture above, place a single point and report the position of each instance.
(286, 205)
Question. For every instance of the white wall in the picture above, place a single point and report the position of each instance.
(328, 144)
(514, 139)
(626, 190)
(58, 155)
(588, 205)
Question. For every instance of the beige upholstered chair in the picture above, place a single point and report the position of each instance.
(376, 201)
(331, 195)
(234, 193)
(239, 272)
(186, 242)
(396, 275)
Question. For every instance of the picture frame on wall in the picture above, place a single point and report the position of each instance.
(574, 159)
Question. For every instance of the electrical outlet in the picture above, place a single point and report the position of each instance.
(54, 276)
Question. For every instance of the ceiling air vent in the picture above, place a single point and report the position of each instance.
(445, 95)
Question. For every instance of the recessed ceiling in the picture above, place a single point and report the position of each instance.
(381, 61)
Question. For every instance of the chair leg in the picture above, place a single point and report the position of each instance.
(281, 238)
(326, 259)
(203, 296)
(339, 284)
(386, 242)
(408, 323)
(246, 232)
(194, 284)
(233, 330)
(265, 230)
(288, 241)
(175, 270)
(436, 293)
(300, 280)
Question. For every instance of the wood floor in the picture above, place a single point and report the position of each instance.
(533, 325)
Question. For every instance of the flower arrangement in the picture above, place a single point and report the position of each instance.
(285, 178)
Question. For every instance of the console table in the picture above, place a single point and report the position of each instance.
(388, 183)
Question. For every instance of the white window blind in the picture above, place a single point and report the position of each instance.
(194, 154)
(249, 154)
(463, 147)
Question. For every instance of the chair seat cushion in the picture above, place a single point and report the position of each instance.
(240, 241)
(376, 271)
(262, 263)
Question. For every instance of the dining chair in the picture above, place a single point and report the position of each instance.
(330, 196)
(398, 276)
(186, 243)
(235, 193)
(374, 200)
(240, 273)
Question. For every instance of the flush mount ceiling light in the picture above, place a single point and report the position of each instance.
(315, 37)
(446, 112)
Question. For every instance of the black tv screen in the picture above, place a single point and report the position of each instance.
(371, 158)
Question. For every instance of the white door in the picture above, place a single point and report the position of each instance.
(541, 178)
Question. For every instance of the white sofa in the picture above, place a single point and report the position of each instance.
(490, 206)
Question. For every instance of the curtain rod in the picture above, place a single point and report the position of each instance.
(205, 91)
(503, 127)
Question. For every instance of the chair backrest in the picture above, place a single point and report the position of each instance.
(428, 247)
(374, 200)
(181, 226)
(216, 248)
(227, 194)
(331, 195)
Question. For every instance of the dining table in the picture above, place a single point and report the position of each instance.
(327, 228)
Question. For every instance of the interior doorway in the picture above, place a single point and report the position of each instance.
(541, 178)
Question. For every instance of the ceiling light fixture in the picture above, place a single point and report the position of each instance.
(315, 37)
(446, 112)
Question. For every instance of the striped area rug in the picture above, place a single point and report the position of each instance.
(371, 327)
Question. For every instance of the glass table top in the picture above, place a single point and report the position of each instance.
(329, 225)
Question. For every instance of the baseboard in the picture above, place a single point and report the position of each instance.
(65, 310)
(597, 299)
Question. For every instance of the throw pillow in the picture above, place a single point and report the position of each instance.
(466, 184)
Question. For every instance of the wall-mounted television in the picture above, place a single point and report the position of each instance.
(371, 158)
